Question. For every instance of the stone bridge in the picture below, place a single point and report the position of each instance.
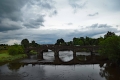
(57, 48)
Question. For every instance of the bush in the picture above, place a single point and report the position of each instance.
(15, 49)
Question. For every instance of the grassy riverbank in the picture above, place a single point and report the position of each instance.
(5, 57)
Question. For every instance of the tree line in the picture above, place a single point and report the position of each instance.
(109, 44)
(83, 41)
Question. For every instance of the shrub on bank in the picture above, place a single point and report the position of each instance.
(15, 49)
(5, 57)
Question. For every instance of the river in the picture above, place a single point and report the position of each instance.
(20, 71)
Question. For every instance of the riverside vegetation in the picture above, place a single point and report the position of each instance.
(12, 53)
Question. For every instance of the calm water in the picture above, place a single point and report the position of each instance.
(17, 71)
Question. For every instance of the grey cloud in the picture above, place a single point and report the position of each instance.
(54, 12)
(112, 5)
(107, 5)
(34, 23)
(93, 14)
(46, 7)
(40, 36)
(69, 23)
(93, 25)
(50, 36)
(11, 9)
(7, 24)
(48, 4)
(117, 25)
(93, 30)
(99, 26)
(49, 39)
(104, 26)
(77, 4)
(10, 14)
(4, 28)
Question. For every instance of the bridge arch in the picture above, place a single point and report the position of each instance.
(57, 48)
(43, 52)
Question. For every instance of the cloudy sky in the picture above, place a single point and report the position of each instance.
(45, 21)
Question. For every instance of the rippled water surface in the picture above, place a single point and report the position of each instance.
(19, 71)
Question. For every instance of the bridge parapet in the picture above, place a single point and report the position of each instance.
(59, 47)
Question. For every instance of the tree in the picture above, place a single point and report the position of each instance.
(60, 41)
(25, 43)
(83, 40)
(109, 34)
(110, 47)
(69, 43)
(88, 41)
(75, 41)
(33, 44)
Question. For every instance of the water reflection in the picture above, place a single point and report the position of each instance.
(110, 73)
(48, 56)
(60, 72)
(15, 66)
(63, 55)
(18, 71)
(66, 55)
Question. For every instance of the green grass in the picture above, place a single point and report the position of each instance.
(5, 57)
(3, 51)
(32, 52)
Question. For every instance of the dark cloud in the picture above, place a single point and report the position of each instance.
(13, 16)
(34, 23)
(93, 14)
(6, 28)
(7, 24)
(11, 9)
(10, 14)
